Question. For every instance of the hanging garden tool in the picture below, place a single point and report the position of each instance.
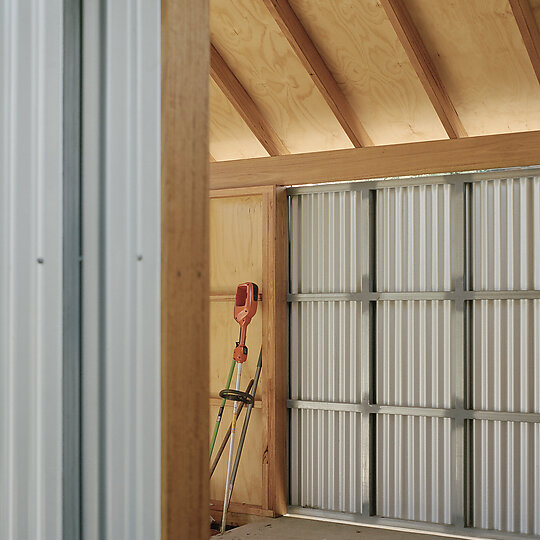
(230, 482)
(245, 308)
(247, 295)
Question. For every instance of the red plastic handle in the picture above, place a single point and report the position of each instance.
(245, 307)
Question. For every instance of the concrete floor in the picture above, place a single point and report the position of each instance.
(288, 528)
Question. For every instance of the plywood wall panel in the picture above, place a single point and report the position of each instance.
(236, 256)
(480, 56)
(366, 58)
(235, 242)
(251, 43)
(230, 137)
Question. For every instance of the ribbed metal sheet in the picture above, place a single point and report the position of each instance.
(31, 300)
(325, 351)
(414, 353)
(506, 355)
(411, 363)
(324, 248)
(413, 234)
(325, 449)
(506, 476)
(415, 468)
(121, 361)
(506, 234)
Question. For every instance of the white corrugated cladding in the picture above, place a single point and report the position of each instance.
(121, 290)
(31, 58)
(415, 352)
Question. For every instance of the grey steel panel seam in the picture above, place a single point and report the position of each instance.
(368, 472)
(405, 181)
(405, 525)
(458, 218)
(467, 359)
(457, 295)
(460, 414)
(71, 334)
(288, 348)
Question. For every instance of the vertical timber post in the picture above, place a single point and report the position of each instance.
(185, 269)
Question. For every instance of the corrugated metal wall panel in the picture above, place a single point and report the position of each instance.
(413, 238)
(506, 355)
(324, 249)
(325, 351)
(506, 476)
(415, 468)
(121, 357)
(31, 301)
(506, 234)
(325, 460)
(414, 354)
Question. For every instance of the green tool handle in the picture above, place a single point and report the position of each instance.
(220, 412)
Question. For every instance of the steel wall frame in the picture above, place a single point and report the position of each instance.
(461, 297)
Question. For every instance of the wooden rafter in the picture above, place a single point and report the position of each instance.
(308, 54)
(426, 157)
(425, 69)
(529, 31)
(244, 105)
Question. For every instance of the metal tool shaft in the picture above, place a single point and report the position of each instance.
(233, 432)
(230, 482)
(227, 435)
(220, 412)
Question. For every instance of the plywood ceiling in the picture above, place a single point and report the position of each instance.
(395, 70)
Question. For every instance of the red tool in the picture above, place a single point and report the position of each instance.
(245, 307)
(247, 295)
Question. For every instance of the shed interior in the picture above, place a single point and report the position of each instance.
(319, 91)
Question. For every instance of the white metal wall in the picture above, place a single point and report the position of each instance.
(31, 301)
(415, 352)
(121, 292)
(40, 269)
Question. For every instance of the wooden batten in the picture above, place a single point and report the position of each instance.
(185, 269)
(446, 156)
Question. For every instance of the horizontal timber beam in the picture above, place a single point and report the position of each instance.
(429, 157)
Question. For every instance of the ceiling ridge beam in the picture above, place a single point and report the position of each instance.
(423, 65)
(305, 49)
(234, 91)
(530, 33)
